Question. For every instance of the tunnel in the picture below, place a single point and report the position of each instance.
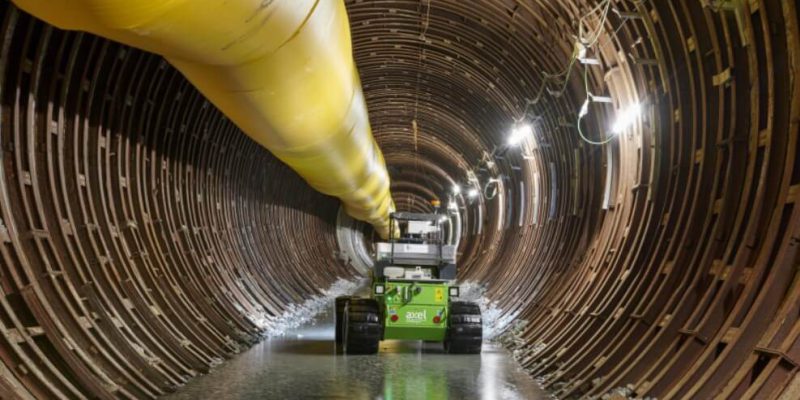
(624, 173)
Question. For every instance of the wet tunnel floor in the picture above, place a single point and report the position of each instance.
(304, 365)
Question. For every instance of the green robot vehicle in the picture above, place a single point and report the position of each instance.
(413, 296)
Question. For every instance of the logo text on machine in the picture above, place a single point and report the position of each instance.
(416, 316)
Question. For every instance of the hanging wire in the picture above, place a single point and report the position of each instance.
(584, 42)
(582, 114)
(599, 30)
(589, 95)
(495, 189)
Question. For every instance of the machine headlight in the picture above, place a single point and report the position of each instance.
(454, 291)
(379, 289)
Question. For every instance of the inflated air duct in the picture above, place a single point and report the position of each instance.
(281, 70)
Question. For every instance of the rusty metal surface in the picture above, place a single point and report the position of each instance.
(142, 234)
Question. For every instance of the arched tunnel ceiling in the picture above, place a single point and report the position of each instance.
(144, 239)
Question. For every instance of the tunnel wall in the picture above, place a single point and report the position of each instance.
(143, 238)
(690, 285)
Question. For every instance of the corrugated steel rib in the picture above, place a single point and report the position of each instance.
(142, 235)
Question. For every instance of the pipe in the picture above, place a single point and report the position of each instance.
(281, 70)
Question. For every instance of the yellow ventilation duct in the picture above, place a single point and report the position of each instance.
(282, 70)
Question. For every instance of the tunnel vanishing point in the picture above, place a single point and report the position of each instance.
(625, 173)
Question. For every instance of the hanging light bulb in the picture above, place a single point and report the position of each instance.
(520, 133)
(472, 193)
(456, 189)
(626, 118)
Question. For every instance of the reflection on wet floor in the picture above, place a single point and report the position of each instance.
(304, 365)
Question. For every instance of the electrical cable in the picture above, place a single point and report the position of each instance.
(567, 72)
(490, 195)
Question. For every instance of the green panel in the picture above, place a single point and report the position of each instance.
(415, 322)
(405, 332)
(415, 305)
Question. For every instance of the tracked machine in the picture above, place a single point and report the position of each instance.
(413, 296)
